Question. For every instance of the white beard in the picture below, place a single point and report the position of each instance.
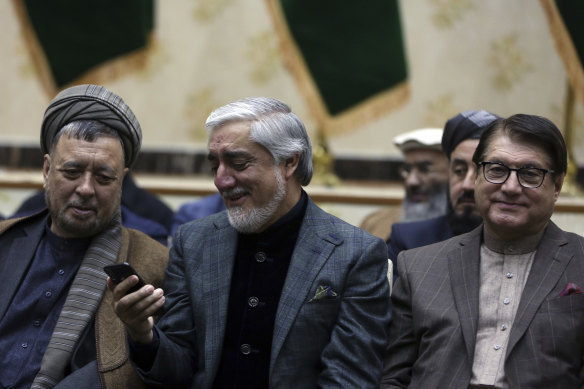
(251, 221)
(436, 205)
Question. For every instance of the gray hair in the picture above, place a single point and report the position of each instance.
(272, 125)
(87, 130)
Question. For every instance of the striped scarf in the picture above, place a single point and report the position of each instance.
(80, 306)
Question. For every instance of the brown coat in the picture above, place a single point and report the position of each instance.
(149, 258)
(378, 223)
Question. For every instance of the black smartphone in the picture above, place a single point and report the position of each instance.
(121, 271)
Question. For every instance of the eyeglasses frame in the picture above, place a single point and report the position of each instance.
(487, 163)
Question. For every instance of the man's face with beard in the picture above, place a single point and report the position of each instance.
(425, 174)
(462, 178)
(436, 205)
(83, 185)
(253, 188)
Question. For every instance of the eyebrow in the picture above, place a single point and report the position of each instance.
(230, 155)
(520, 165)
(77, 165)
(459, 161)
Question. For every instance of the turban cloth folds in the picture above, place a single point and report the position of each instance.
(92, 102)
(465, 125)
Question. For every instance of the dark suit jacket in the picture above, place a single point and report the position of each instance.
(409, 235)
(331, 342)
(435, 316)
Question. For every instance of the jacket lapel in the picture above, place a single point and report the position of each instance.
(463, 265)
(314, 246)
(549, 263)
(17, 255)
(216, 280)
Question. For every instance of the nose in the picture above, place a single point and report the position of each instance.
(469, 180)
(224, 180)
(85, 186)
(413, 179)
(512, 183)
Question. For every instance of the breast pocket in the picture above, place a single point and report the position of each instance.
(318, 316)
(557, 330)
(572, 303)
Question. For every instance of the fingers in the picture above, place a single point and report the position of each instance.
(138, 305)
(142, 303)
(121, 289)
(136, 309)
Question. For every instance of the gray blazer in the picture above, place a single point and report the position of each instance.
(435, 316)
(336, 342)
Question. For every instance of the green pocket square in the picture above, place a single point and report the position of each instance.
(323, 292)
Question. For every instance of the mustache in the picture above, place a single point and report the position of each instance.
(82, 204)
(466, 195)
(233, 192)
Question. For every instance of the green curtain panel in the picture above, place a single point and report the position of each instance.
(353, 50)
(572, 13)
(77, 35)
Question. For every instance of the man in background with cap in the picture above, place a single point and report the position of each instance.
(425, 175)
(57, 327)
(459, 141)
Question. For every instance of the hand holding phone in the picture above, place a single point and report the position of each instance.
(121, 271)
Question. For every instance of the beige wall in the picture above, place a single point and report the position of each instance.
(466, 54)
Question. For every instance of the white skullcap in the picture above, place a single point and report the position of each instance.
(424, 138)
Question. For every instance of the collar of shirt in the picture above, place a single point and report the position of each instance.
(522, 245)
(73, 247)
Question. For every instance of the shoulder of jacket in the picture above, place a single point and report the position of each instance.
(6, 224)
(142, 242)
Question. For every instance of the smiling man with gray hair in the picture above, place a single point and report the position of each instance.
(271, 293)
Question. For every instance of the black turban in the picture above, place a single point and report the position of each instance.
(92, 102)
(465, 125)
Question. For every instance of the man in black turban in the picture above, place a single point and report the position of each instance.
(140, 209)
(459, 141)
(57, 327)
(92, 102)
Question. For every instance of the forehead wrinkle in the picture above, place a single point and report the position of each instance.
(229, 154)
(236, 154)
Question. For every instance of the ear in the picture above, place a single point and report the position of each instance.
(46, 168)
(558, 182)
(290, 165)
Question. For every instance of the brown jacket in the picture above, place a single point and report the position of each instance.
(378, 223)
(149, 258)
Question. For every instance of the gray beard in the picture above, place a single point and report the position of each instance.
(437, 205)
(252, 221)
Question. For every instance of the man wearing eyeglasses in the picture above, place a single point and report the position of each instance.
(500, 306)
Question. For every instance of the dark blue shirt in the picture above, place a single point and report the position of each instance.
(28, 324)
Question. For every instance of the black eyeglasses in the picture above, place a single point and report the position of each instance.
(528, 177)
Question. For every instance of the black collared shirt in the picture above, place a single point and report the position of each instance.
(260, 268)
